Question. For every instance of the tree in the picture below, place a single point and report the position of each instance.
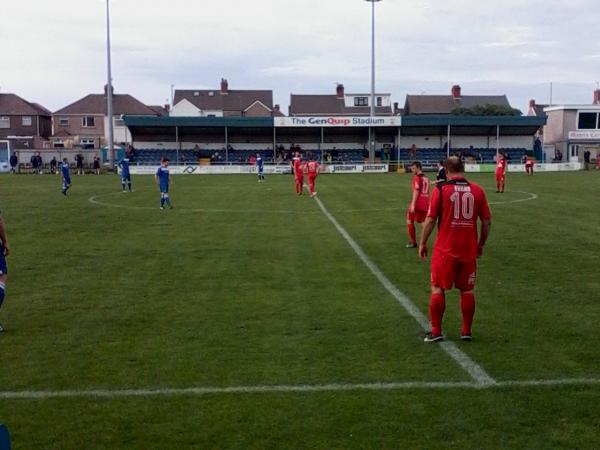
(486, 110)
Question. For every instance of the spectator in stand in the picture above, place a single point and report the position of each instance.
(598, 161)
(412, 153)
(34, 163)
(479, 157)
(523, 159)
(53, 165)
(586, 159)
(14, 162)
(559, 155)
(97, 165)
(79, 163)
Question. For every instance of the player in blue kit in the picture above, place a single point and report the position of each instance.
(163, 181)
(4, 251)
(66, 176)
(125, 173)
(259, 168)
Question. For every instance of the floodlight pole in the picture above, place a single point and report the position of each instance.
(109, 90)
(371, 131)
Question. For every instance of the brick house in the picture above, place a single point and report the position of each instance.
(340, 104)
(23, 124)
(224, 103)
(84, 123)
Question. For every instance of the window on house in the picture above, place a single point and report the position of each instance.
(89, 122)
(26, 121)
(361, 101)
(379, 101)
(4, 122)
(587, 121)
(58, 143)
(63, 122)
(86, 143)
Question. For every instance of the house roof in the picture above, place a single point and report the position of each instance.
(62, 134)
(330, 105)
(444, 104)
(158, 109)
(97, 104)
(234, 100)
(13, 105)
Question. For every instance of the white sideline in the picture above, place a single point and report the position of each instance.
(301, 388)
(471, 367)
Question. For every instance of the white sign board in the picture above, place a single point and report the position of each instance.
(337, 121)
(584, 135)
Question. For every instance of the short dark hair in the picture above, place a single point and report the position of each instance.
(454, 164)
(417, 164)
(165, 160)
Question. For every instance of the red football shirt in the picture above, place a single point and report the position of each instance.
(501, 166)
(297, 163)
(457, 204)
(420, 184)
(312, 168)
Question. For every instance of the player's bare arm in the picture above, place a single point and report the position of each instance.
(428, 227)
(3, 237)
(483, 235)
(413, 202)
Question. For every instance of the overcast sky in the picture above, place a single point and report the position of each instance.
(53, 51)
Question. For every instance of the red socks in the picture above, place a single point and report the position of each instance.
(467, 307)
(437, 306)
(411, 233)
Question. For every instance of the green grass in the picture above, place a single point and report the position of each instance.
(246, 284)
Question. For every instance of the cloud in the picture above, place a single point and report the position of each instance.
(54, 53)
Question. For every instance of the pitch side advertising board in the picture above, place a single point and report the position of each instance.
(337, 121)
(269, 170)
(554, 167)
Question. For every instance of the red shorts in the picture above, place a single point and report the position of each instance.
(499, 176)
(417, 216)
(447, 271)
(299, 178)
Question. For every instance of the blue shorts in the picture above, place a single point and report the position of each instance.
(3, 266)
(66, 182)
(164, 189)
(126, 178)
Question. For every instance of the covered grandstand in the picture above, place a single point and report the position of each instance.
(236, 140)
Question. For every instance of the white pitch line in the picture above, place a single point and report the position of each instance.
(471, 367)
(532, 196)
(300, 388)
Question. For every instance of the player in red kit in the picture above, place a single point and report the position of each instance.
(529, 167)
(312, 171)
(297, 169)
(419, 204)
(455, 205)
(500, 172)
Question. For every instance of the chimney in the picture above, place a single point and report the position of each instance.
(224, 87)
(340, 91)
(456, 91)
(167, 107)
(531, 103)
(597, 97)
(277, 108)
(395, 107)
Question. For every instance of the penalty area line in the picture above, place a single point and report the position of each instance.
(300, 389)
(476, 372)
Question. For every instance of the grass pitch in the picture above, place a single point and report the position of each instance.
(245, 284)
